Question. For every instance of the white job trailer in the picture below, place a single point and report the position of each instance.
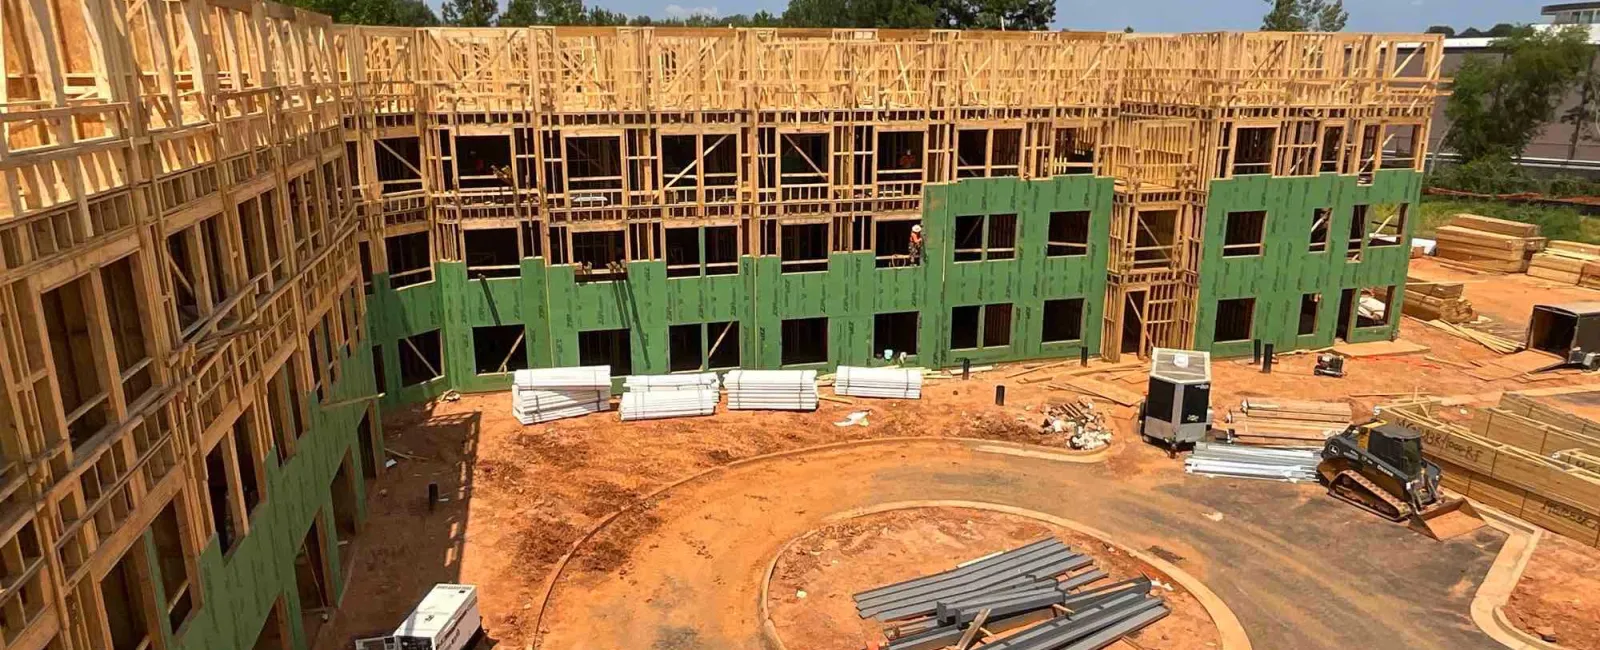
(446, 619)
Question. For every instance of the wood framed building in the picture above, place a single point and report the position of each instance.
(230, 229)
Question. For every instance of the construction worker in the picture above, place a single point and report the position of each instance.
(916, 244)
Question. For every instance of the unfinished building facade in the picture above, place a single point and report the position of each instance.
(230, 229)
(671, 199)
(186, 433)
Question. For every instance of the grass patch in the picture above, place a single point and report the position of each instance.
(1554, 222)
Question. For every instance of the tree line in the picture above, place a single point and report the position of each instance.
(1282, 15)
(907, 14)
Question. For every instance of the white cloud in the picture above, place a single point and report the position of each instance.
(680, 11)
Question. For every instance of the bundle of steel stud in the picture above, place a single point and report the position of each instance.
(1042, 585)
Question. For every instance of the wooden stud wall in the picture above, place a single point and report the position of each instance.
(175, 219)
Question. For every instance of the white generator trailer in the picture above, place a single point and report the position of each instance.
(446, 619)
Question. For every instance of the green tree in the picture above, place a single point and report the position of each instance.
(1498, 103)
(470, 13)
(1584, 116)
(522, 13)
(1305, 16)
(1448, 31)
(1018, 15)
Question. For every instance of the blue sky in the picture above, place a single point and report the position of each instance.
(1180, 15)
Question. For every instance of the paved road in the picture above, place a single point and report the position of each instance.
(1300, 570)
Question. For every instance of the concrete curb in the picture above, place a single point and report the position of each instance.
(977, 444)
(1229, 629)
(1488, 604)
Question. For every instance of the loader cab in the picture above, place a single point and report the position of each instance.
(1398, 446)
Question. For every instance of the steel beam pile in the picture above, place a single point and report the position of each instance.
(894, 383)
(545, 394)
(772, 390)
(1292, 465)
(1038, 584)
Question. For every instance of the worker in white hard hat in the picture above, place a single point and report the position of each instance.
(916, 244)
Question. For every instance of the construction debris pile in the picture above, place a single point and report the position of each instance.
(1292, 465)
(1041, 585)
(1489, 244)
(1278, 422)
(772, 390)
(895, 383)
(1568, 262)
(1437, 301)
(651, 397)
(1084, 426)
(545, 394)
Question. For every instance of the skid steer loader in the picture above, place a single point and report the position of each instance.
(1379, 468)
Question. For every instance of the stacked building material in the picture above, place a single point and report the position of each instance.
(1438, 301)
(1034, 585)
(1564, 261)
(1506, 461)
(545, 394)
(1488, 243)
(1286, 422)
(895, 383)
(659, 404)
(772, 390)
(687, 381)
(1292, 465)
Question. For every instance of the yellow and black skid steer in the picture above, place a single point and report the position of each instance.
(1379, 467)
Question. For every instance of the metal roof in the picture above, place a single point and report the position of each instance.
(1180, 366)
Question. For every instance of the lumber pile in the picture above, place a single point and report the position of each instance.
(1587, 461)
(654, 397)
(1561, 430)
(892, 383)
(1286, 422)
(545, 394)
(1499, 344)
(1438, 301)
(1565, 261)
(1555, 494)
(1488, 243)
(772, 390)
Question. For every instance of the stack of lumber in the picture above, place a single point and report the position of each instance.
(895, 383)
(685, 381)
(1438, 301)
(1286, 422)
(1488, 243)
(1499, 344)
(1564, 261)
(1554, 494)
(545, 394)
(1562, 431)
(772, 390)
(661, 404)
(654, 397)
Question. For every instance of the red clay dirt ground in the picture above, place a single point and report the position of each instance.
(866, 552)
(519, 496)
(1560, 594)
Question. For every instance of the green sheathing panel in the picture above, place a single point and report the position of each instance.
(238, 590)
(1286, 269)
(1025, 282)
(554, 306)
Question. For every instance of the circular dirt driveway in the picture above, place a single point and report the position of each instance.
(1299, 570)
